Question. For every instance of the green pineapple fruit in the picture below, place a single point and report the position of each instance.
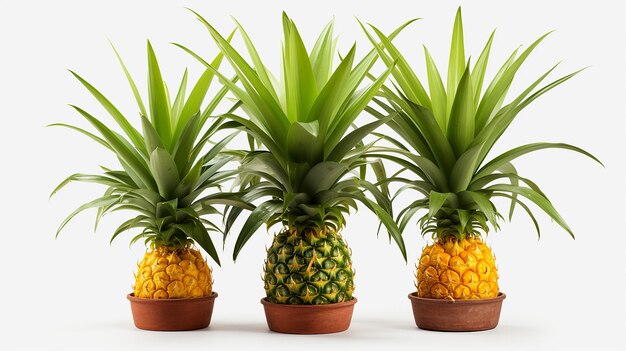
(307, 173)
(308, 268)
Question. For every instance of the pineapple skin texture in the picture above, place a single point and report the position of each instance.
(308, 269)
(164, 273)
(457, 270)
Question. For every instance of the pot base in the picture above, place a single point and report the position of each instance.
(458, 315)
(172, 314)
(308, 319)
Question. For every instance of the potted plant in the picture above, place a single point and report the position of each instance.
(164, 174)
(447, 134)
(303, 174)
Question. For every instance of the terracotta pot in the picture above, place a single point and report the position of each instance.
(458, 315)
(172, 314)
(308, 319)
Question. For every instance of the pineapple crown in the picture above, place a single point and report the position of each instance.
(448, 132)
(165, 170)
(311, 169)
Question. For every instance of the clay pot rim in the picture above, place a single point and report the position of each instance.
(413, 296)
(134, 299)
(328, 306)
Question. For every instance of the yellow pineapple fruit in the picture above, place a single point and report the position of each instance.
(457, 269)
(167, 274)
(167, 181)
(449, 132)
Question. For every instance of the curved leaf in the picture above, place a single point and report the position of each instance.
(523, 205)
(485, 206)
(82, 131)
(130, 131)
(99, 202)
(512, 154)
(384, 217)
(90, 178)
(229, 199)
(535, 197)
(131, 82)
(499, 86)
(137, 222)
(123, 149)
(352, 139)
(196, 231)
(257, 217)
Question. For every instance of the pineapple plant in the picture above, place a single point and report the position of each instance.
(447, 132)
(310, 170)
(164, 175)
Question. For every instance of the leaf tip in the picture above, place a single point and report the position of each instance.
(192, 11)
(359, 21)
(74, 73)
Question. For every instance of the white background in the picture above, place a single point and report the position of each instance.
(70, 293)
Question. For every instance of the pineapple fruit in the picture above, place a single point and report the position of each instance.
(447, 133)
(312, 268)
(464, 269)
(167, 274)
(163, 179)
(303, 175)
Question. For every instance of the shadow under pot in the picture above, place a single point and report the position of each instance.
(456, 315)
(172, 314)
